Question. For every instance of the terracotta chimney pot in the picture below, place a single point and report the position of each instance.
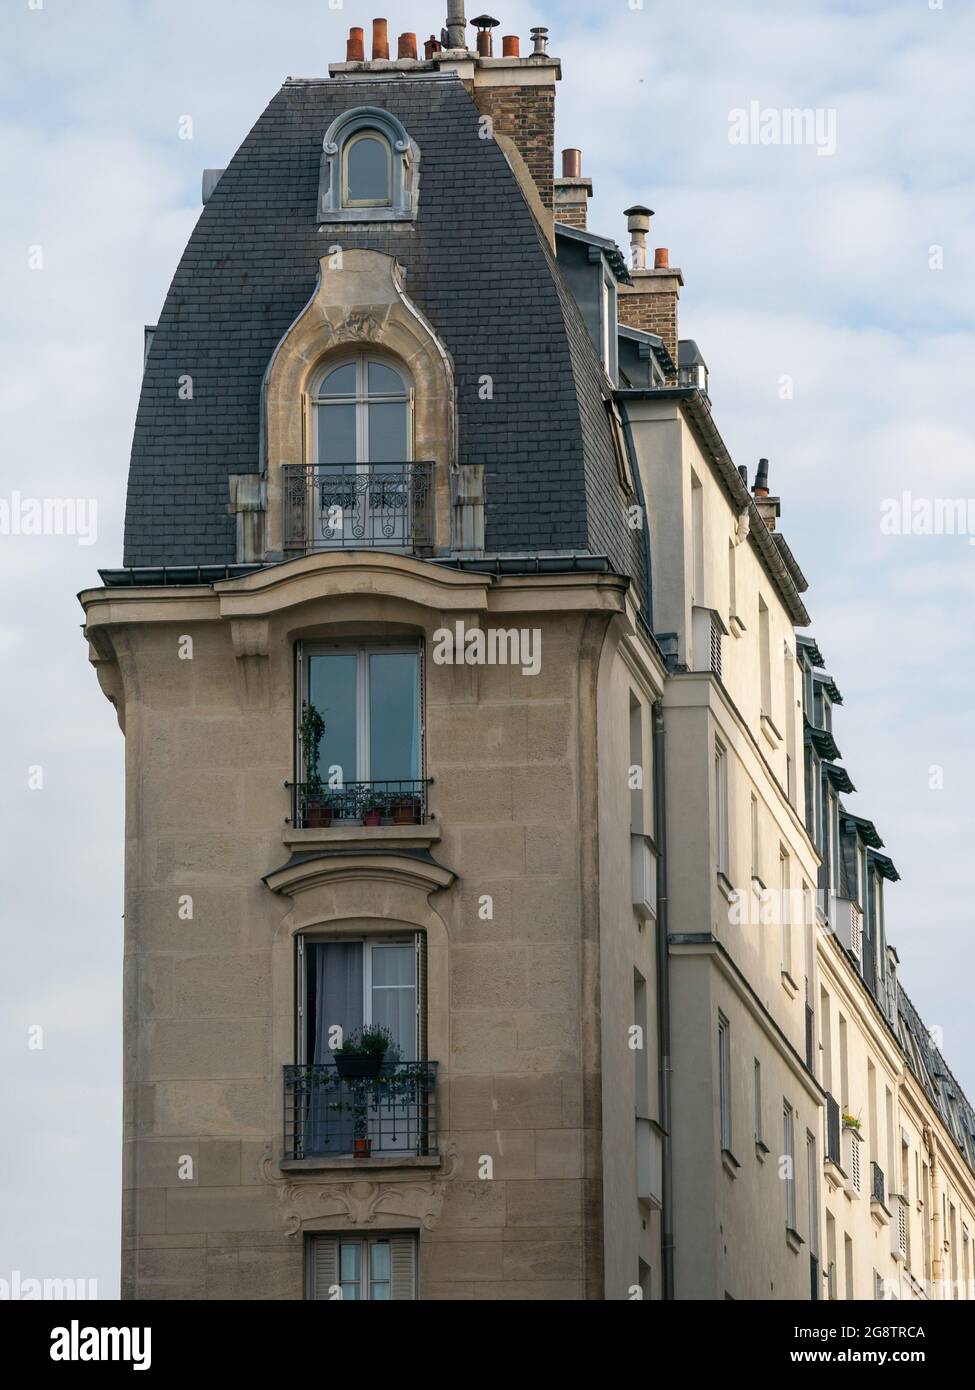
(380, 39)
(572, 164)
(355, 51)
(407, 46)
(661, 258)
(511, 46)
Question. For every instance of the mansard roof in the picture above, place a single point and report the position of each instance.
(477, 266)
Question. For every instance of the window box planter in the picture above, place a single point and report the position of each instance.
(373, 815)
(358, 1066)
(406, 811)
(318, 815)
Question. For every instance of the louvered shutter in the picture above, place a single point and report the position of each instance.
(715, 649)
(855, 1163)
(402, 1264)
(325, 1268)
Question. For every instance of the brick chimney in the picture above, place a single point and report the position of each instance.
(572, 192)
(518, 94)
(769, 508)
(650, 302)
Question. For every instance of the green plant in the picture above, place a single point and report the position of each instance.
(852, 1121)
(366, 1042)
(312, 730)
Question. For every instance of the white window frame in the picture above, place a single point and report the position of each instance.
(368, 944)
(382, 139)
(362, 651)
(789, 1153)
(724, 1084)
(361, 400)
(721, 809)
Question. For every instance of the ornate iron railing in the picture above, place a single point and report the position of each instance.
(358, 506)
(315, 805)
(326, 1114)
(876, 1183)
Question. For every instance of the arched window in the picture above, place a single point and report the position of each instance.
(369, 169)
(362, 413)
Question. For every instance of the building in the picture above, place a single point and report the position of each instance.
(466, 719)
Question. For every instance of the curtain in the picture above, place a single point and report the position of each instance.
(336, 968)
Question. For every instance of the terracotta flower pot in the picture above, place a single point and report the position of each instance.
(407, 811)
(361, 1148)
(318, 815)
(372, 817)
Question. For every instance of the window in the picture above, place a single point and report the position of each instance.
(826, 1030)
(830, 1255)
(369, 756)
(360, 1268)
(785, 914)
(641, 1054)
(765, 656)
(721, 807)
(345, 985)
(850, 1286)
(369, 169)
(754, 838)
(789, 1154)
(732, 585)
(812, 1193)
(759, 1127)
(362, 413)
(724, 1081)
(697, 540)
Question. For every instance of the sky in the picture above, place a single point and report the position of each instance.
(829, 284)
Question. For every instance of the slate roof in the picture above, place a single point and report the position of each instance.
(478, 267)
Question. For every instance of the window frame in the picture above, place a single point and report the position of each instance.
(725, 1117)
(368, 942)
(362, 650)
(404, 168)
(361, 400)
(348, 144)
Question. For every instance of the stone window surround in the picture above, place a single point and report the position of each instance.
(405, 156)
(359, 304)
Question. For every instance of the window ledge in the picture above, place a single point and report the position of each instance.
(336, 836)
(771, 733)
(834, 1174)
(329, 1163)
(789, 984)
(726, 885)
(736, 626)
(793, 1239)
(761, 1149)
(730, 1163)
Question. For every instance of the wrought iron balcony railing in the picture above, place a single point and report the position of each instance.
(358, 506)
(394, 1113)
(315, 805)
(876, 1183)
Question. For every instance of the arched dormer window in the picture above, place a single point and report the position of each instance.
(369, 169)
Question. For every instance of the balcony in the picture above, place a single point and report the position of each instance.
(833, 1157)
(878, 1205)
(332, 1117)
(316, 806)
(349, 506)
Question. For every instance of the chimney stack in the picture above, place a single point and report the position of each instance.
(380, 39)
(485, 41)
(638, 225)
(456, 24)
(768, 507)
(572, 192)
(650, 302)
(355, 49)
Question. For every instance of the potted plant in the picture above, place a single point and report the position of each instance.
(406, 810)
(852, 1122)
(361, 1054)
(373, 813)
(316, 812)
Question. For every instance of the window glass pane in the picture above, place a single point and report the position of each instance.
(394, 995)
(332, 690)
(388, 432)
(349, 1262)
(394, 752)
(367, 162)
(379, 1260)
(341, 382)
(336, 434)
(384, 381)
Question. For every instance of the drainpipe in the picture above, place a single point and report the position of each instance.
(937, 1254)
(663, 1006)
(638, 484)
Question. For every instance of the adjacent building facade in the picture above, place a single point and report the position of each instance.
(494, 928)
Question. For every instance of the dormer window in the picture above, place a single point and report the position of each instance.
(369, 169)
